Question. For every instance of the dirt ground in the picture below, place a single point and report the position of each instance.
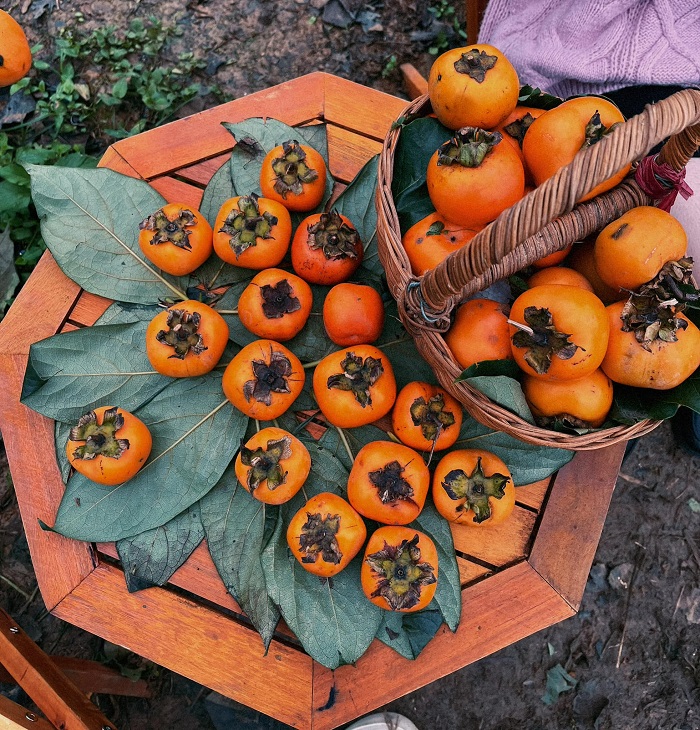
(632, 653)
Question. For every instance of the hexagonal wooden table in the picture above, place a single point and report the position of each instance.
(529, 574)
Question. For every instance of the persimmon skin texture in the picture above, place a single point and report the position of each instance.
(353, 314)
(412, 435)
(560, 275)
(582, 260)
(340, 407)
(461, 101)
(480, 332)
(588, 399)
(267, 252)
(108, 470)
(240, 371)
(14, 50)
(281, 329)
(555, 137)
(312, 192)
(466, 460)
(474, 196)
(394, 535)
(665, 367)
(575, 312)
(213, 329)
(350, 537)
(425, 251)
(296, 467)
(632, 250)
(171, 258)
(364, 495)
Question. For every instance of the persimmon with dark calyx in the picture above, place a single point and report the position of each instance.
(513, 129)
(355, 386)
(326, 249)
(574, 404)
(632, 249)
(473, 487)
(431, 240)
(176, 238)
(554, 138)
(388, 483)
(560, 275)
(295, 175)
(109, 445)
(15, 54)
(650, 349)
(252, 232)
(474, 86)
(581, 258)
(479, 333)
(186, 340)
(558, 332)
(326, 534)
(474, 177)
(263, 379)
(426, 417)
(273, 465)
(275, 305)
(400, 569)
(353, 314)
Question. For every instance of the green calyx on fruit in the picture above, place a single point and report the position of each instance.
(401, 574)
(541, 339)
(468, 148)
(431, 416)
(318, 537)
(358, 376)
(278, 300)
(247, 224)
(100, 440)
(391, 486)
(334, 237)
(292, 170)
(476, 489)
(169, 230)
(475, 64)
(268, 378)
(265, 463)
(182, 334)
(596, 130)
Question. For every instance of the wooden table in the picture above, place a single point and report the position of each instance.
(530, 577)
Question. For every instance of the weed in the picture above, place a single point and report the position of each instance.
(390, 66)
(445, 12)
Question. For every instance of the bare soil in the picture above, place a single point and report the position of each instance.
(633, 651)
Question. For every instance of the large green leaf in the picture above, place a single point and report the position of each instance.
(409, 633)
(505, 391)
(218, 190)
(234, 522)
(195, 433)
(90, 222)
(9, 278)
(125, 313)
(74, 372)
(151, 558)
(332, 618)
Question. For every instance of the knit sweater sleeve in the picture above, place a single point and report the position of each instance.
(592, 46)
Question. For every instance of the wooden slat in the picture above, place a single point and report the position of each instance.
(416, 83)
(195, 641)
(500, 544)
(176, 191)
(114, 161)
(571, 525)
(348, 152)
(532, 495)
(201, 172)
(469, 571)
(187, 141)
(14, 717)
(88, 309)
(53, 693)
(496, 612)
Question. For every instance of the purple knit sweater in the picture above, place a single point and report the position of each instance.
(571, 47)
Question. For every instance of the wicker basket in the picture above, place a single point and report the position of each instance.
(545, 221)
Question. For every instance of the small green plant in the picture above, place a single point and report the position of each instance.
(445, 12)
(390, 66)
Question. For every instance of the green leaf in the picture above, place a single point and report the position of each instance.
(505, 391)
(195, 435)
(13, 198)
(536, 98)
(9, 279)
(125, 313)
(527, 463)
(409, 633)
(90, 222)
(218, 190)
(635, 404)
(151, 558)
(74, 372)
(558, 682)
(507, 368)
(332, 618)
(234, 522)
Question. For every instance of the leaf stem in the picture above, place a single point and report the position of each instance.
(344, 439)
(227, 311)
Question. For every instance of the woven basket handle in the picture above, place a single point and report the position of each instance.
(543, 221)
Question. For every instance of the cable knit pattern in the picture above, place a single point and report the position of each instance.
(594, 46)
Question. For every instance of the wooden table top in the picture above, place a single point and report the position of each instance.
(529, 576)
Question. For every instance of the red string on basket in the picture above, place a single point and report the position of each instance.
(661, 182)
